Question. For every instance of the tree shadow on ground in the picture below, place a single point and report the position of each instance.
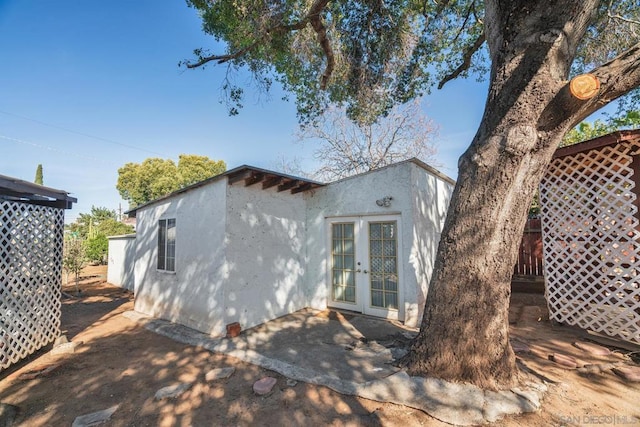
(120, 363)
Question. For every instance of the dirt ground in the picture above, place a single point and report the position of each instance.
(118, 362)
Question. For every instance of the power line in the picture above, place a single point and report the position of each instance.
(110, 141)
(47, 147)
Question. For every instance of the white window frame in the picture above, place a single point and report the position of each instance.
(166, 259)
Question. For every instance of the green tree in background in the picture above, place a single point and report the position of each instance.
(38, 179)
(97, 248)
(93, 229)
(100, 220)
(587, 130)
(369, 55)
(140, 183)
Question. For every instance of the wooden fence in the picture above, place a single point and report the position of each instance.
(530, 252)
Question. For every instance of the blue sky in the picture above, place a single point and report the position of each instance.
(86, 87)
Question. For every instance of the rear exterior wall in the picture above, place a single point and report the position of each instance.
(266, 235)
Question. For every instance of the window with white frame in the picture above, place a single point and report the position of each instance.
(167, 244)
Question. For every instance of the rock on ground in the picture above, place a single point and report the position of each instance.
(264, 385)
(219, 373)
(95, 418)
(172, 391)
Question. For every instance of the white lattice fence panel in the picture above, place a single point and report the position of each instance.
(591, 241)
(31, 239)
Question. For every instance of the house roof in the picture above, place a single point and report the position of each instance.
(247, 176)
(17, 190)
(251, 175)
(430, 169)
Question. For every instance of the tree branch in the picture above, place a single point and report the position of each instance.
(313, 18)
(623, 19)
(466, 61)
(221, 59)
(323, 40)
(617, 78)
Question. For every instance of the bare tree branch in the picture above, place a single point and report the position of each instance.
(221, 59)
(623, 19)
(347, 148)
(466, 61)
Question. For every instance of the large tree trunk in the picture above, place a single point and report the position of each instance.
(464, 334)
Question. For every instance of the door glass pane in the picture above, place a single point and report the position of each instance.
(390, 265)
(391, 284)
(348, 262)
(349, 279)
(383, 263)
(389, 230)
(390, 248)
(350, 294)
(348, 230)
(375, 247)
(348, 246)
(337, 261)
(376, 264)
(377, 298)
(391, 300)
(375, 230)
(343, 263)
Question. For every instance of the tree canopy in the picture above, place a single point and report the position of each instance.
(140, 183)
(370, 55)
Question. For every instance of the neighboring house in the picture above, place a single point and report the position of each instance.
(129, 221)
(590, 209)
(31, 238)
(251, 245)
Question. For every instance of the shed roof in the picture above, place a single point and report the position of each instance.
(17, 190)
(609, 139)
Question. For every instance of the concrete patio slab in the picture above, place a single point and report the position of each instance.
(354, 355)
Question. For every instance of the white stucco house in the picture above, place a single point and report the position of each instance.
(251, 245)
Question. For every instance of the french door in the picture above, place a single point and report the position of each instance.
(364, 268)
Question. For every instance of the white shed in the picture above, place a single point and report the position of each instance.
(122, 256)
(251, 245)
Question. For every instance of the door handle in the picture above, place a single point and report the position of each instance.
(365, 271)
